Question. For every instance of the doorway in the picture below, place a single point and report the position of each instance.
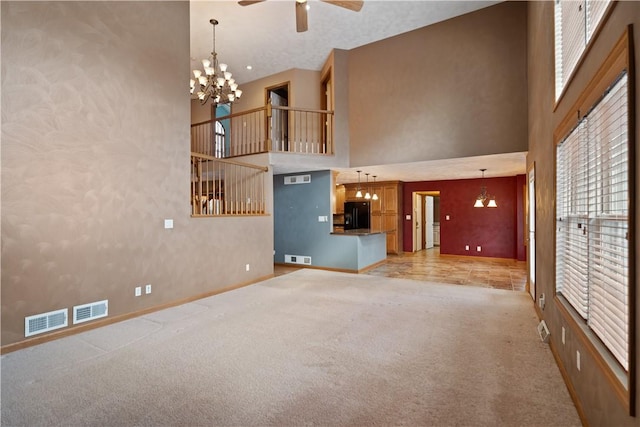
(278, 96)
(426, 220)
(531, 231)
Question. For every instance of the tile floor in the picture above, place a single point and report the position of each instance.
(429, 265)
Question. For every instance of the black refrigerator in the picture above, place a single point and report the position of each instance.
(356, 215)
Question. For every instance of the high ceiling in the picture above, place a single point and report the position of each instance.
(263, 35)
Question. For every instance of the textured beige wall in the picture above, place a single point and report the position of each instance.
(304, 90)
(599, 403)
(200, 113)
(454, 89)
(95, 155)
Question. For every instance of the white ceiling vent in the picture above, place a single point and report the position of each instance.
(94, 310)
(297, 259)
(297, 179)
(45, 322)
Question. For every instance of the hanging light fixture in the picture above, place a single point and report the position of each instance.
(483, 197)
(359, 192)
(367, 195)
(375, 196)
(215, 81)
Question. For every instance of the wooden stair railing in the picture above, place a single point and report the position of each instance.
(266, 129)
(222, 187)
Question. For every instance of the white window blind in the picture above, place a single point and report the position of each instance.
(575, 24)
(571, 206)
(592, 203)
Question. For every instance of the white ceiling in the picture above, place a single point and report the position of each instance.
(496, 165)
(264, 36)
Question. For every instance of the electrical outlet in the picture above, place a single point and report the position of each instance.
(563, 335)
(247, 267)
(479, 248)
(138, 291)
(578, 359)
(147, 289)
(466, 247)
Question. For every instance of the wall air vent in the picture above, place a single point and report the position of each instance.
(297, 259)
(543, 331)
(94, 310)
(45, 322)
(297, 179)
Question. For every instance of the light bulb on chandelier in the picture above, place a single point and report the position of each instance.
(215, 82)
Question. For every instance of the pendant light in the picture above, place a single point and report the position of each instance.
(359, 193)
(483, 197)
(375, 195)
(367, 195)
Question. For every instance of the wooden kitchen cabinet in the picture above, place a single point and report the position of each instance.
(350, 193)
(386, 212)
(340, 198)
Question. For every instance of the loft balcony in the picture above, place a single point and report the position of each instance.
(268, 129)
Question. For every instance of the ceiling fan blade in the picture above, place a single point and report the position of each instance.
(301, 17)
(249, 2)
(354, 5)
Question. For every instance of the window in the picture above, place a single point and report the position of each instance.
(575, 25)
(220, 141)
(592, 233)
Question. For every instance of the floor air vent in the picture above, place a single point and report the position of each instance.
(94, 310)
(45, 322)
(297, 259)
(297, 179)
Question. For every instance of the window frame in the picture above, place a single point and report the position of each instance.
(585, 50)
(620, 59)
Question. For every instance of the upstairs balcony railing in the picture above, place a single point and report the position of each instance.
(222, 187)
(265, 129)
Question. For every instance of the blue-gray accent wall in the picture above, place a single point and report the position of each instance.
(298, 232)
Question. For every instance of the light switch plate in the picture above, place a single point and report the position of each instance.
(168, 223)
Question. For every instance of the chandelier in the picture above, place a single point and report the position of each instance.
(481, 200)
(215, 81)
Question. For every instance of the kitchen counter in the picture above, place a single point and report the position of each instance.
(357, 250)
(356, 232)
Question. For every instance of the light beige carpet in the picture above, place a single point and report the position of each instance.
(310, 347)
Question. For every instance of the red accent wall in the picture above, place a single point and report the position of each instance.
(521, 251)
(499, 231)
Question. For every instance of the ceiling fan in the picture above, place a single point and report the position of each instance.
(301, 9)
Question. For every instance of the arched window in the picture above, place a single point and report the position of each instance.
(219, 141)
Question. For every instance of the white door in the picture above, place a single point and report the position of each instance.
(279, 119)
(417, 222)
(428, 209)
(531, 247)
